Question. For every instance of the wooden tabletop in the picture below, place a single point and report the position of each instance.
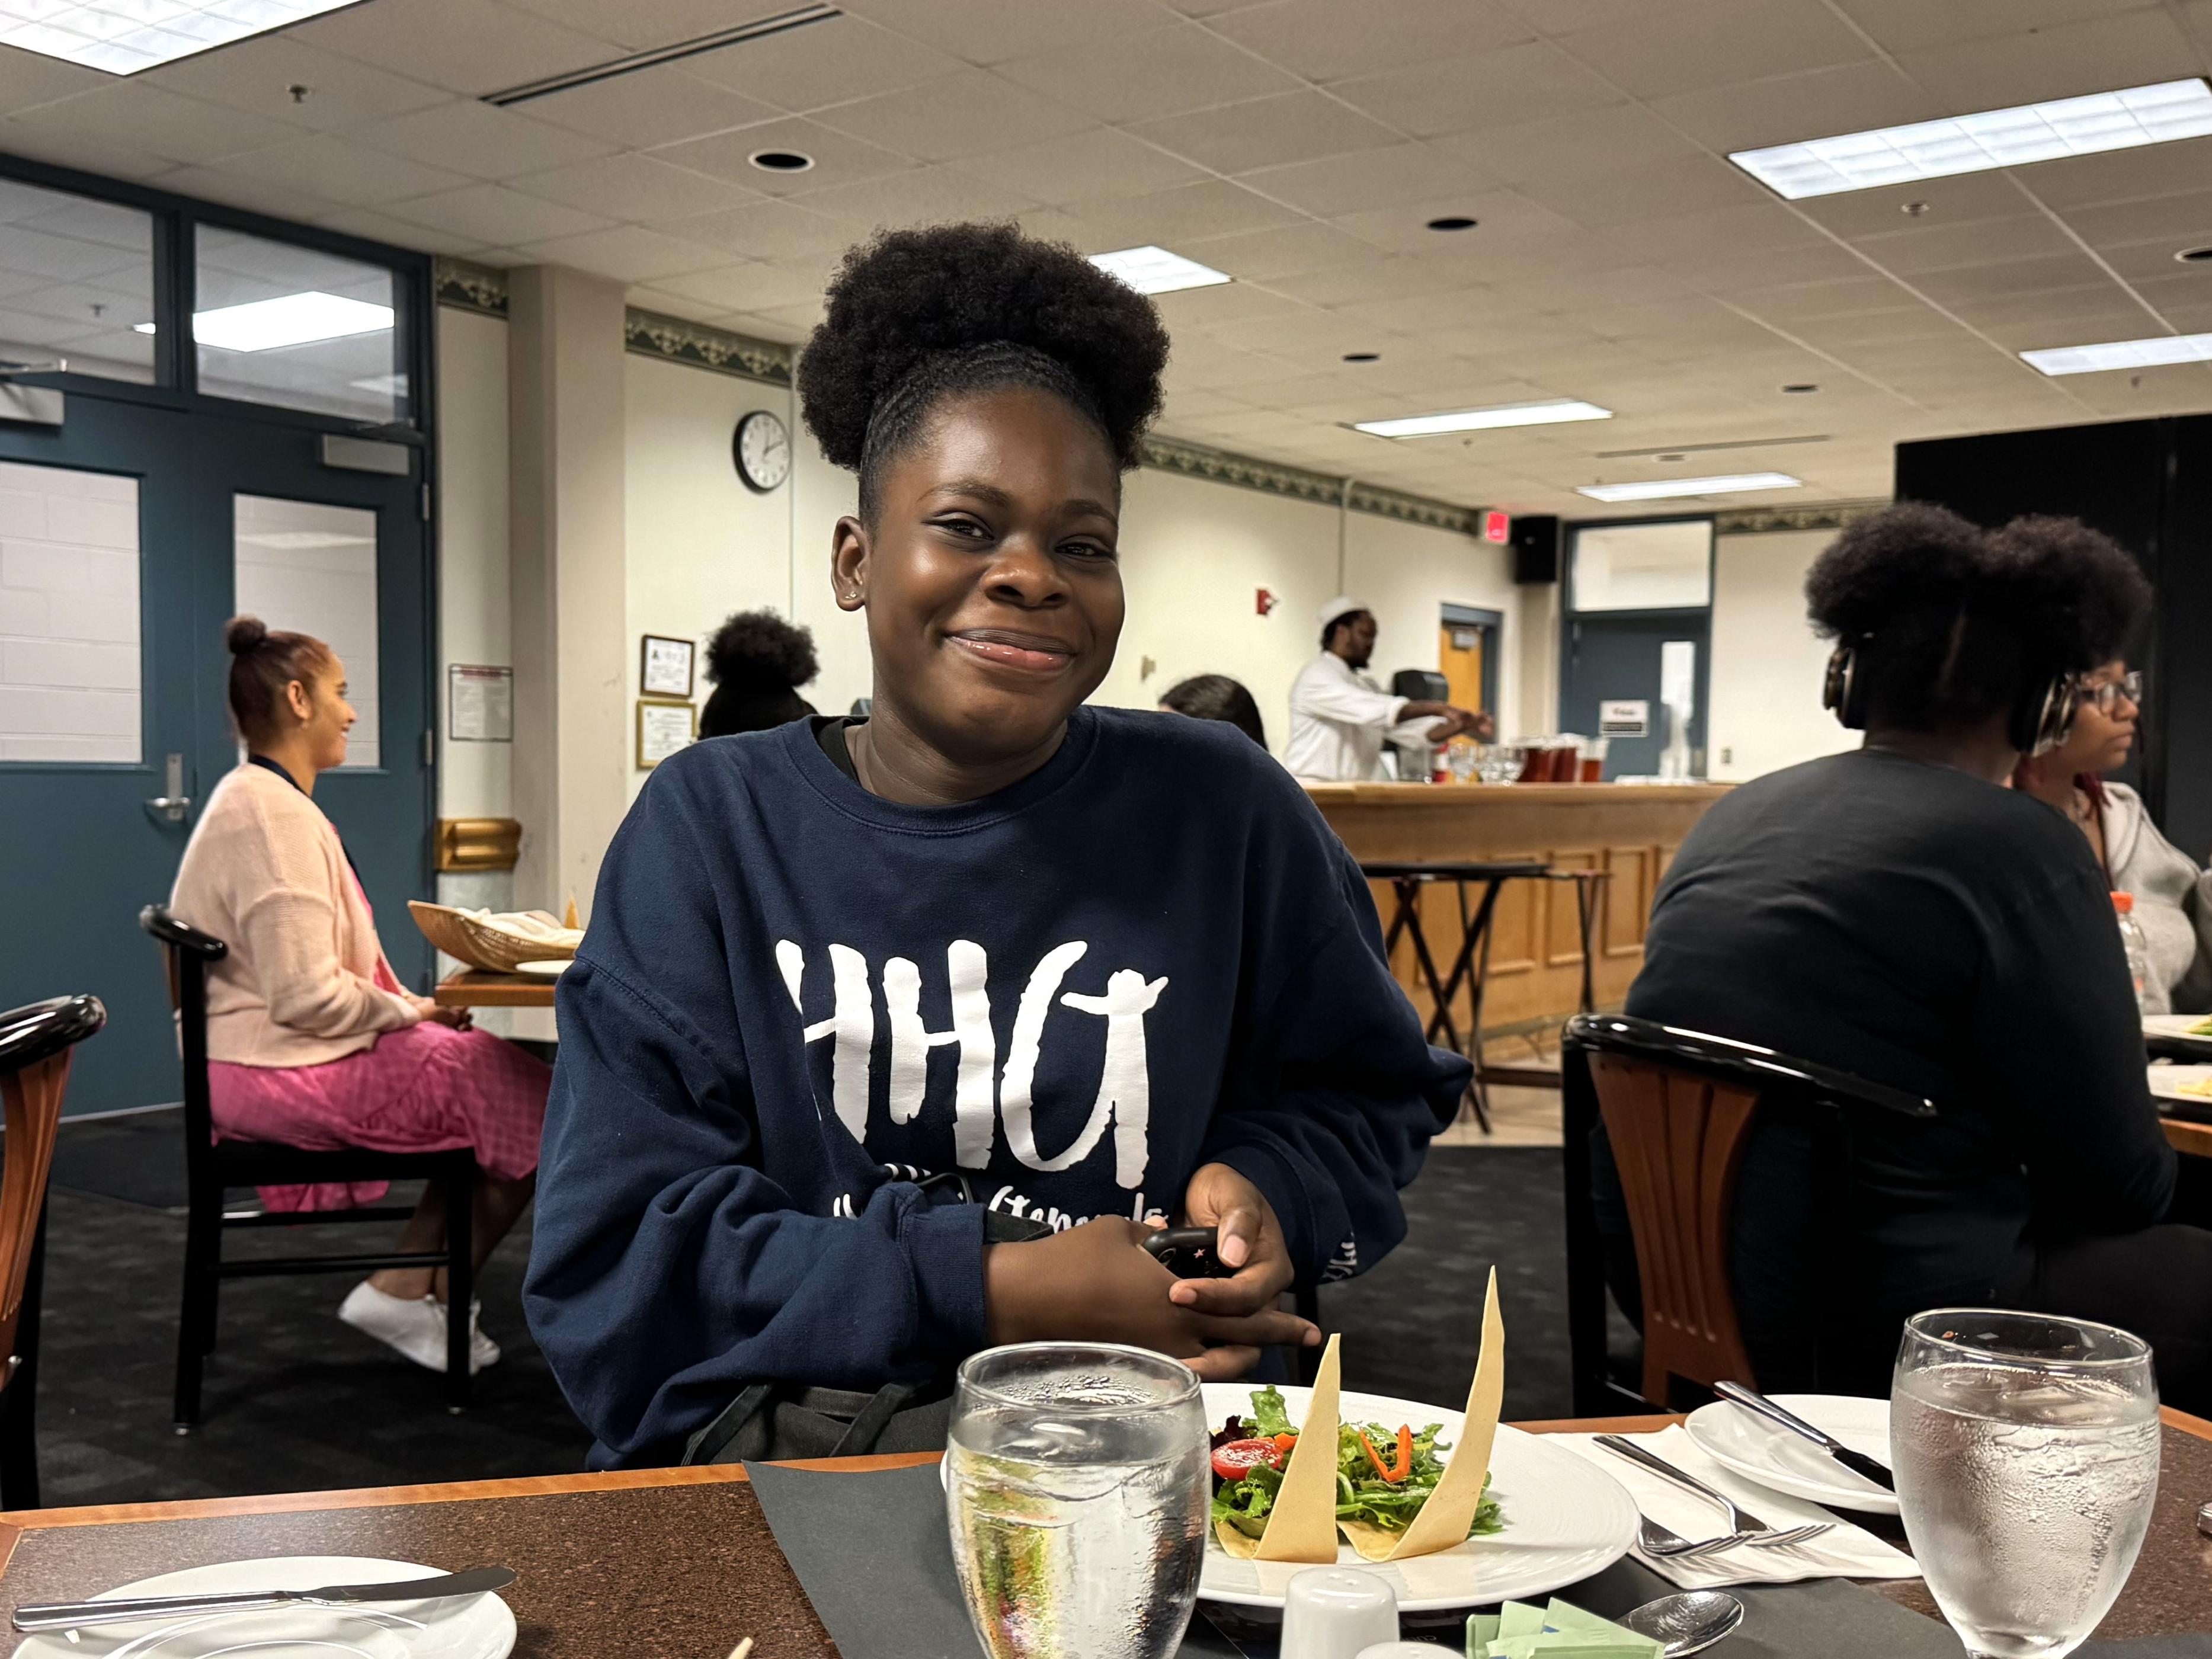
(473, 988)
(682, 1562)
(2191, 1139)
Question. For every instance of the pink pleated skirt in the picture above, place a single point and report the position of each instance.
(427, 1089)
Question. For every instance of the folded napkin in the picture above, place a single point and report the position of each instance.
(1847, 1552)
(1520, 1630)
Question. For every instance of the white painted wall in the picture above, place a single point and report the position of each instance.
(1408, 572)
(1767, 664)
(475, 608)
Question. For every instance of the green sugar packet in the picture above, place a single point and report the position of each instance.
(1520, 1630)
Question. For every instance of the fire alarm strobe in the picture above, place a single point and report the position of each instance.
(1267, 602)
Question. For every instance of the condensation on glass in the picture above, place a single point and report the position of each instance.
(1667, 566)
(311, 567)
(76, 283)
(297, 328)
(69, 615)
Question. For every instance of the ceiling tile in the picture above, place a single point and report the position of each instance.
(1169, 216)
(1394, 278)
(1325, 40)
(962, 114)
(467, 45)
(260, 75)
(650, 108)
(2121, 175)
(1755, 228)
(492, 213)
(1290, 126)
(1788, 108)
(1563, 147)
(383, 228)
(1191, 314)
(766, 230)
(1789, 303)
(474, 138)
(646, 298)
(1083, 166)
(635, 23)
(2008, 313)
(1680, 48)
(2181, 221)
(1490, 89)
(1258, 255)
(29, 78)
(838, 158)
(922, 195)
(1503, 218)
(2117, 322)
(2183, 299)
(1869, 327)
(2012, 277)
(159, 123)
(2130, 49)
(1692, 185)
(1911, 25)
(748, 286)
(1369, 179)
(255, 195)
(639, 188)
(1963, 200)
(346, 174)
(993, 31)
(833, 62)
(18, 137)
(1938, 247)
(2136, 262)
(628, 253)
(1138, 76)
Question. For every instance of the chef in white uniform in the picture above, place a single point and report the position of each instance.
(1340, 718)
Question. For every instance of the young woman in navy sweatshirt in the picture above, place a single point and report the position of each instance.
(891, 1039)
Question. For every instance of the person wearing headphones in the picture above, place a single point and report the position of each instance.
(1341, 719)
(1897, 913)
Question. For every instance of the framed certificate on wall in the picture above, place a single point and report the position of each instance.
(663, 728)
(664, 668)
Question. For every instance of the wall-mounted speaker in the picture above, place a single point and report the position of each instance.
(1536, 549)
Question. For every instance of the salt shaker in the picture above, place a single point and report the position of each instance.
(1334, 1612)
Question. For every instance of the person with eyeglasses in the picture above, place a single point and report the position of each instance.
(2172, 896)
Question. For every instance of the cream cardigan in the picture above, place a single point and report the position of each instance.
(265, 873)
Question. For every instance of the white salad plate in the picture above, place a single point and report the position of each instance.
(1757, 1449)
(552, 969)
(2177, 1028)
(1565, 1518)
(453, 1627)
(2165, 1081)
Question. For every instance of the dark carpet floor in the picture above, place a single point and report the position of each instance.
(295, 1400)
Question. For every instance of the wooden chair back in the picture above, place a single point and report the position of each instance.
(36, 1043)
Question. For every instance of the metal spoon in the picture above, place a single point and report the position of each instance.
(1686, 1623)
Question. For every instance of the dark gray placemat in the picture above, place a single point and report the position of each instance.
(872, 1553)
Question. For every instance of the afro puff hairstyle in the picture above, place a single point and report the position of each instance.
(1953, 624)
(916, 316)
(756, 661)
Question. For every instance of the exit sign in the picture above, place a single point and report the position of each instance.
(1496, 526)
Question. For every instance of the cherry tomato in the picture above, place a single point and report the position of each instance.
(1240, 1457)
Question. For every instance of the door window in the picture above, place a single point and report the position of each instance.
(275, 323)
(311, 567)
(1662, 566)
(69, 615)
(76, 283)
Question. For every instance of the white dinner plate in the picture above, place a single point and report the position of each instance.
(544, 969)
(2165, 1081)
(451, 1627)
(1770, 1455)
(1565, 1518)
(2176, 1028)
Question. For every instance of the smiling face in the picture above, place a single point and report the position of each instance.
(989, 574)
(324, 715)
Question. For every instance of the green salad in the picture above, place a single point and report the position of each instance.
(1383, 1476)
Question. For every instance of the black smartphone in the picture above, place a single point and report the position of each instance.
(1188, 1252)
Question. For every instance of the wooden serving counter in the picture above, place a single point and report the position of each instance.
(1629, 831)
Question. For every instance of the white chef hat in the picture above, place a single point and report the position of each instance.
(1342, 605)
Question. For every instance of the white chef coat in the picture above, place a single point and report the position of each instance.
(1339, 720)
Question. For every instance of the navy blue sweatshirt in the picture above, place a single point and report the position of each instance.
(798, 1002)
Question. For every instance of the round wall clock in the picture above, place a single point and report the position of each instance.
(763, 448)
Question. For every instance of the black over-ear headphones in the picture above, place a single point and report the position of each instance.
(2040, 721)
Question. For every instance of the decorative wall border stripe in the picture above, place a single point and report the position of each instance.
(649, 334)
(1219, 466)
(465, 287)
(1768, 520)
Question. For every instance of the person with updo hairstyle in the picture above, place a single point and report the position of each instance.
(894, 1037)
(1217, 697)
(757, 662)
(312, 1040)
(1897, 913)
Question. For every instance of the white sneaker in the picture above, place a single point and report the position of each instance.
(416, 1328)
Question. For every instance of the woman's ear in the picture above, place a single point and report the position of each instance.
(302, 704)
(848, 564)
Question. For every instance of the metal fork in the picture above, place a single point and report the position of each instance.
(1747, 1528)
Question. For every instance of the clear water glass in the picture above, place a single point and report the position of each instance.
(1076, 1488)
(2026, 1448)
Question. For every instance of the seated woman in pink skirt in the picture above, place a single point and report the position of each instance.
(312, 1040)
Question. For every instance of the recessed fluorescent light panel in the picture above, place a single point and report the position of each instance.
(1727, 484)
(125, 36)
(1545, 412)
(289, 319)
(2122, 353)
(1975, 144)
(1151, 270)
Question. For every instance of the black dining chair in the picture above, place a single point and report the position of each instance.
(37, 1043)
(212, 1167)
(1679, 1108)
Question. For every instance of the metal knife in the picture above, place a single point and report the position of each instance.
(69, 1615)
(1856, 1462)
